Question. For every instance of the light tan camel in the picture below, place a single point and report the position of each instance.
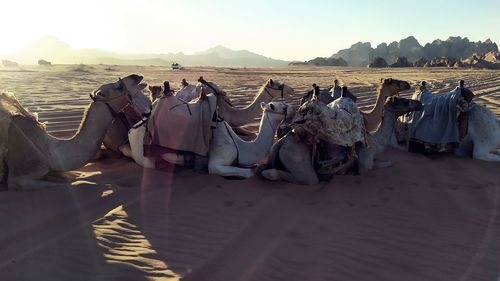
(387, 87)
(32, 153)
(242, 116)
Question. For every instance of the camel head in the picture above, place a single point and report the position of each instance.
(401, 106)
(277, 90)
(391, 87)
(204, 88)
(156, 92)
(277, 107)
(124, 92)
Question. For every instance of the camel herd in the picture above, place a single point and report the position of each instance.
(314, 139)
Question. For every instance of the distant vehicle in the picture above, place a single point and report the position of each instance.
(8, 63)
(176, 66)
(44, 63)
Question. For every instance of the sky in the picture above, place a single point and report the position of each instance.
(289, 30)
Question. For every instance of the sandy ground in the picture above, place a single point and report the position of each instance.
(426, 218)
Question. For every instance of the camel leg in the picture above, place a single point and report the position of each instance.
(126, 150)
(223, 153)
(229, 171)
(366, 161)
(30, 184)
(275, 174)
(29, 180)
(380, 163)
(297, 159)
(483, 154)
(220, 160)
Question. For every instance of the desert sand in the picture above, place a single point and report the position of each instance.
(425, 218)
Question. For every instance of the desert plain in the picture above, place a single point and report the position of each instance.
(426, 218)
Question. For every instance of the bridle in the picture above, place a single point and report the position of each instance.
(284, 112)
(280, 87)
(106, 101)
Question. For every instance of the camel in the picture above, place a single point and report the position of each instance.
(387, 88)
(269, 91)
(246, 152)
(227, 149)
(483, 135)
(33, 154)
(118, 134)
(482, 140)
(290, 157)
(156, 92)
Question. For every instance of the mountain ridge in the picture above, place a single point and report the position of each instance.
(59, 52)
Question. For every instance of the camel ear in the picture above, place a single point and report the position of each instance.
(390, 80)
(150, 88)
(381, 80)
(271, 82)
(262, 105)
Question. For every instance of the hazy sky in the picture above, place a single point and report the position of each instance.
(291, 30)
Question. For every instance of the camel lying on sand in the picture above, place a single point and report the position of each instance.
(32, 154)
(227, 149)
(117, 135)
(482, 139)
(387, 88)
(291, 159)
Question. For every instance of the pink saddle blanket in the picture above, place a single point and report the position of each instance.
(176, 125)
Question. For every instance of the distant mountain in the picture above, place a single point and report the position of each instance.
(58, 52)
(362, 54)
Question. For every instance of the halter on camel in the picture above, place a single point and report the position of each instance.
(120, 114)
(280, 87)
(216, 93)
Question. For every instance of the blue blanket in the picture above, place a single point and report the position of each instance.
(437, 122)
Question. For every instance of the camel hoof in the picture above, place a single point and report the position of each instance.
(271, 174)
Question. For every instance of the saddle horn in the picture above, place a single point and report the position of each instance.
(166, 87)
(315, 89)
(462, 82)
(203, 81)
(343, 92)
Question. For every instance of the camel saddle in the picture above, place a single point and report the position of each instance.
(444, 118)
(179, 126)
(327, 158)
(9, 108)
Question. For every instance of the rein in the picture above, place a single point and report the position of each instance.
(111, 110)
(281, 88)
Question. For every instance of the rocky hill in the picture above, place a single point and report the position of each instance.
(362, 54)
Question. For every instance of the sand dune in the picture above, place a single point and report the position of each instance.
(426, 218)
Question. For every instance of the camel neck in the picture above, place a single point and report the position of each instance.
(242, 116)
(257, 149)
(75, 152)
(383, 135)
(378, 108)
